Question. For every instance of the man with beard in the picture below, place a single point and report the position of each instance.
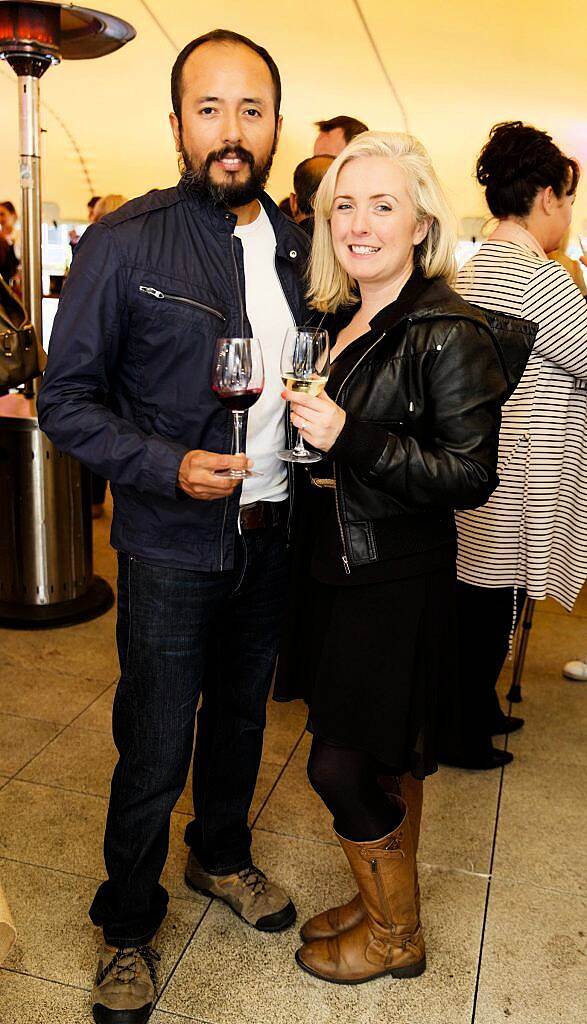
(202, 558)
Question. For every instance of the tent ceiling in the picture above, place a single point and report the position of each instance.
(457, 69)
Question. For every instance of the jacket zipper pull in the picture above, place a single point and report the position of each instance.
(347, 567)
(151, 291)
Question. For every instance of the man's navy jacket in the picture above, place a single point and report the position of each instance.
(127, 386)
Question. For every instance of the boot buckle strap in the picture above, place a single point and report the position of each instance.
(371, 855)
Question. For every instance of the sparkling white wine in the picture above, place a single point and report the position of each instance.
(312, 386)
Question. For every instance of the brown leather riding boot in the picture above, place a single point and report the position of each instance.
(388, 939)
(339, 919)
(334, 921)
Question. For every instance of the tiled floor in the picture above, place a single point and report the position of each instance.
(503, 857)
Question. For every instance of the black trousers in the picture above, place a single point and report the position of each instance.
(484, 622)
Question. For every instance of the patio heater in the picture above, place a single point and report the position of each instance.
(46, 565)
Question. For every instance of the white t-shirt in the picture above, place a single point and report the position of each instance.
(270, 316)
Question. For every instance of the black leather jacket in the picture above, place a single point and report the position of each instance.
(423, 417)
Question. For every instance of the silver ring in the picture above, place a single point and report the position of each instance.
(303, 425)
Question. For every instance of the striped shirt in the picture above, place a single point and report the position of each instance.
(533, 530)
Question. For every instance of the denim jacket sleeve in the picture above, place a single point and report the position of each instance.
(88, 343)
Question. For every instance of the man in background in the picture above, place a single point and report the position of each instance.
(336, 133)
(307, 177)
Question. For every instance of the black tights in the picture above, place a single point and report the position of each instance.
(346, 780)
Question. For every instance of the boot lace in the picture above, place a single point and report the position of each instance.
(254, 879)
(125, 965)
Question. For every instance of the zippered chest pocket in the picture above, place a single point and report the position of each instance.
(177, 303)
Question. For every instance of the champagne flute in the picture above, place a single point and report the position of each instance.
(305, 364)
(237, 382)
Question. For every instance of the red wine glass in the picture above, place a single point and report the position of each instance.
(237, 382)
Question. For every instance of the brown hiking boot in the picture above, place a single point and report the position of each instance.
(126, 985)
(249, 893)
(388, 940)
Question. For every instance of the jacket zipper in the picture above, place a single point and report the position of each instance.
(345, 557)
(156, 294)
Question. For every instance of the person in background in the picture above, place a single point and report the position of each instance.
(98, 207)
(91, 206)
(203, 559)
(285, 207)
(8, 261)
(11, 236)
(307, 177)
(335, 133)
(531, 536)
(409, 426)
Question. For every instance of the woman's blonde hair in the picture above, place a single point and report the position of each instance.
(108, 204)
(330, 285)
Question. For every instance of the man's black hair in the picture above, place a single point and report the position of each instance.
(221, 35)
(307, 177)
(92, 202)
(350, 126)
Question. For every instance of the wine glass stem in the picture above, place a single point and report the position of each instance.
(237, 432)
(300, 448)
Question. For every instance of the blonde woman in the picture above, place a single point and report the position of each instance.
(409, 427)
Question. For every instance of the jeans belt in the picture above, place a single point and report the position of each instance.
(260, 515)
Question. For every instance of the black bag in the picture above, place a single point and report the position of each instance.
(21, 357)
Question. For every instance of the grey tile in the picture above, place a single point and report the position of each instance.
(161, 1017)
(294, 808)
(554, 640)
(285, 725)
(76, 759)
(458, 819)
(59, 829)
(20, 739)
(555, 723)
(87, 651)
(533, 966)
(25, 1000)
(55, 938)
(54, 698)
(227, 962)
(51, 827)
(98, 717)
(542, 826)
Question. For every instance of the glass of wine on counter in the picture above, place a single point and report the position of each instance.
(305, 364)
(237, 381)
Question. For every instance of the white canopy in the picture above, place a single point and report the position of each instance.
(457, 68)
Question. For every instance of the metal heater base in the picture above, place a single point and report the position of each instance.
(97, 599)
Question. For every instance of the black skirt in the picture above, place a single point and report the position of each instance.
(376, 665)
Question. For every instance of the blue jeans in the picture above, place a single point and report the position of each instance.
(183, 634)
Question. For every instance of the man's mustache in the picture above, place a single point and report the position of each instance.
(227, 151)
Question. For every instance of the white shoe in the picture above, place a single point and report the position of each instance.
(576, 670)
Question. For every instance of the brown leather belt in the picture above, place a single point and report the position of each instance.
(261, 514)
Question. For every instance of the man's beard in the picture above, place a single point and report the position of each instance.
(197, 179)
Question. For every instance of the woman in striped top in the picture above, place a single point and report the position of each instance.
(531, 536)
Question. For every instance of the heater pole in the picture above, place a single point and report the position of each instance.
(30, 184)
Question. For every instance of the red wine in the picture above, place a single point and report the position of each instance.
(237, 401)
